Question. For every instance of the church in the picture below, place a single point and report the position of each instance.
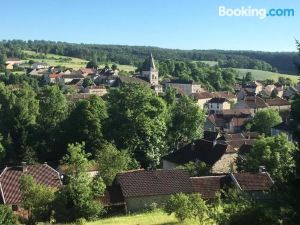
(151, 74)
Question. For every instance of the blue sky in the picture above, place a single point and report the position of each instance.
(183, 24)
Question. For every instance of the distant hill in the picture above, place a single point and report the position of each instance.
(283, 62)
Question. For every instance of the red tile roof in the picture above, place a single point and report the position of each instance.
(10, 180)
(208, 186)
(157, 182)
(203, 95)
(255, 102)
(277, 102)
(253, 182)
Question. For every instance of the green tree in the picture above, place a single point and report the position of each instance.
(187, 206)
(92, 65)
(36, 198)
(137, 122)
(180, 205)
(187, 121)
(87, 82)
(114, 67)
(6, 216)
(111, 161)
(76, 199)
(53, 110)
(85, 123)
(275, 153)
(18, 113)
(264, 120)
(249, 77)
(197, 168)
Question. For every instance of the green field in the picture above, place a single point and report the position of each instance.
(68, 62)
(210, 63)
(153, 218)
(263, 75)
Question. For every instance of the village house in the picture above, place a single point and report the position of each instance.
(11, 62)
(253, 86)
(217, 104)
(231, 121)
(95, 90)
(10, 183)
(141, 188)
(187, 87)
(202, 98)
(38, 65)
(137, 190)
(254, 103)
(199, 150)
(290, 92)
(278, 104)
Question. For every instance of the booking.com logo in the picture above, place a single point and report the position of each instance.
(261, 13)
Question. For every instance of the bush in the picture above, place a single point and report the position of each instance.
(6, 216)
(187, 206)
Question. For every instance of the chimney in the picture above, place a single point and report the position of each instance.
(262, 169)
(24, 166)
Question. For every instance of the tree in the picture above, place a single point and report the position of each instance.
(37, 199)
(92, 65)
(53, 110)
(87, 82)
(137, 122)
(187, 206)
(264, 120)
(89, 115)
(275, 153)
(186, 123)
(196, 169)
(179, 204)
(111, 161)
(114, 67)
(249, 77)
(18, 113)
(76, 199)
(6, 216)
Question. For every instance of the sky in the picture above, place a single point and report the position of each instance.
(180, 24)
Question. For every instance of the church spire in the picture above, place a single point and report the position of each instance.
(152, 64)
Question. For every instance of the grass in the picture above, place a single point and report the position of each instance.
(210, 63)
(263, 75)
(150, 218)
(68, 62)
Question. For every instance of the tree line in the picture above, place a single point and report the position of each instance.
(133, 55)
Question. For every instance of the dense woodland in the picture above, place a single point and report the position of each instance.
(283, 62)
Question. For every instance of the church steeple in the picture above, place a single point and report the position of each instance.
(151, 74)
(152, 64)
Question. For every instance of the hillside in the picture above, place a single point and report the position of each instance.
(263, 75)
(65, 61)
(284, 62)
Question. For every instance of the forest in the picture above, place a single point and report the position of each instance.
(283, 62)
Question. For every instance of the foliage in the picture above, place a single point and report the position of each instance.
(6, 216)
(187, 206)
(264, 120)
(36, 198)
(85, 123)
(76, 199)
(275, 153)
(111, 161)
(18, 112)
(87, 82)
(195, 169)
(92, 65)
(186, 123)
(137, 122)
